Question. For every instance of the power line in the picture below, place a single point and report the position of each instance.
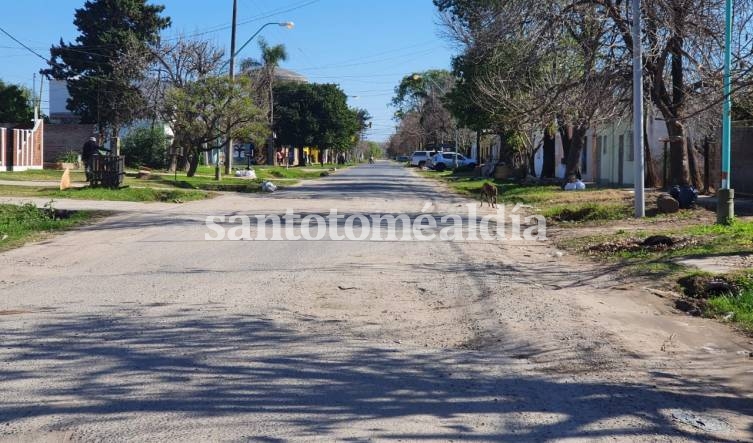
(223, 27)
(26, 47)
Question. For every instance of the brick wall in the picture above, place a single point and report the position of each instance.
(60, 138)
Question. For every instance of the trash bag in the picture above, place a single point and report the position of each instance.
(268, 187)
(685, 195)
(246, 173)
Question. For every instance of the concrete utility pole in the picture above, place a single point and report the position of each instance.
(725, 206)
(640, 204)
(229, 151)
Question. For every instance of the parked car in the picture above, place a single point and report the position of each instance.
(443, 160)
(403, 158)
(419, 158)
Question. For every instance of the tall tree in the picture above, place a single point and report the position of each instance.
(176, 65)
(14, 104)
(101, 78)
(592, 38)
(425, 95)
(315, 115)
(204, 111)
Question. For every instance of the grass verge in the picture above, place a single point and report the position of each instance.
(123, 194)
(727, 296)
(665, 261)
(41, 175)
(592, 204)
(20, 224)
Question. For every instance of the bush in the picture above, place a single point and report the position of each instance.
(145, 147)
(68, 157)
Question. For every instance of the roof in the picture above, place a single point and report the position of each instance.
(282, 74)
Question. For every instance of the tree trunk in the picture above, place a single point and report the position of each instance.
(651, 180)
(678, 155)
(193, 163)
(270, 152)
(575, 152)
(573, 160)
(566, 136)
(694, 165)
(549, 167)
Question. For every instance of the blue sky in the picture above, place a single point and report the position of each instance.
(364, 46)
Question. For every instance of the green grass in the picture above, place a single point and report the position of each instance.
(591, 204)
(699, 241)
(123, 194)
(204, 179)
(41, 175)
(203, 183)
(272, 172)
(19, 224)
(740, 305)
(587, 212)
(735, 303)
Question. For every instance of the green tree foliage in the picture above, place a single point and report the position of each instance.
(203, 113)
(315, 115)
(423, 96)
(374, 149)
(146, 147)
(108, 57)
(14, 104)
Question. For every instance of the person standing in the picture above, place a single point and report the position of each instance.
(89, 150)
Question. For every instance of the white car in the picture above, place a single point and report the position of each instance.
(419, 158)
(443, 160)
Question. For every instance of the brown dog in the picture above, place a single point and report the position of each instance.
(489, 193)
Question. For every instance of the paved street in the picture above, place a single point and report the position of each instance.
(136, 328)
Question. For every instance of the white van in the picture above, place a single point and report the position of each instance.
(419, 158)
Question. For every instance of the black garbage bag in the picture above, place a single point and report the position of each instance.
(685, 195)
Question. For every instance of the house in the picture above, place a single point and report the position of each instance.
(58, 95)
(609, 156)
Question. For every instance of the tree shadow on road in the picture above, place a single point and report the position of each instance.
(86, 368)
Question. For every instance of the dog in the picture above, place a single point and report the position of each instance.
(489, 193)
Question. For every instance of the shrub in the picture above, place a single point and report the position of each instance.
(145, 147)
(68, 157)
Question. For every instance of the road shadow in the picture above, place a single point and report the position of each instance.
(205, 364)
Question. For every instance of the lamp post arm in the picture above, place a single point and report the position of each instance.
(247, 42)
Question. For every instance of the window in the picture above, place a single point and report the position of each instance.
(448, 156)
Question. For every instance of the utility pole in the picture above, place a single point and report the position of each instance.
(34, 97)
(725, 206)
(640, 204)
(229, 151)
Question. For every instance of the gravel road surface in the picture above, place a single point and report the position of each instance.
(135, 328)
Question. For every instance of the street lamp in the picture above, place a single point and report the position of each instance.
(286, 25)
(231, 61)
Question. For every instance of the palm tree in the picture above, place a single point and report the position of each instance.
(271, 56)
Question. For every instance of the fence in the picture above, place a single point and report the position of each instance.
(3, 149)
(26, 150)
